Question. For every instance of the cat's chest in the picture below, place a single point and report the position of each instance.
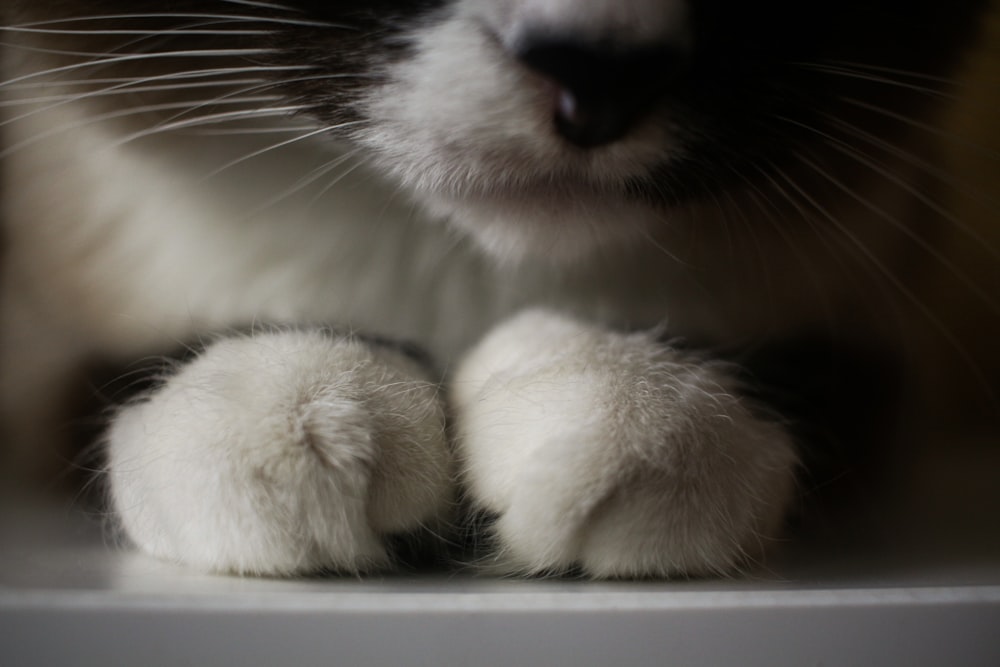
(166, 235)
(159, 236)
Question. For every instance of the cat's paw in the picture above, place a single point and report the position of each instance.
(282, 453)
(615, 454)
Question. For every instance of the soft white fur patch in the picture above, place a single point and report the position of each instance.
(282, 453)
(469, 130)
(615, 453)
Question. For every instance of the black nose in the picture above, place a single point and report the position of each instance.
(601, 90)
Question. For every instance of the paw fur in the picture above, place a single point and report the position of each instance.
(615, 454)
(282, 453)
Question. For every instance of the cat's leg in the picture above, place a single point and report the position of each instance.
(280, 453)
(615, 454)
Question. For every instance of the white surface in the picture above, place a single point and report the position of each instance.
(68, 597)
(915, 585)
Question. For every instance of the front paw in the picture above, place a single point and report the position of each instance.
(615, 454)
(282, 453)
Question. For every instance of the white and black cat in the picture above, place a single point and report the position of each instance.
(644, 246)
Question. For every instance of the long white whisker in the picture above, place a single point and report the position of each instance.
(254, 130)
(126, 88)
(919, 241)
(186, 29)
(876, 78)
(181, 75)
(193, 53)
(941, 174)
(187, 106)
(182, 15)
(239, 95)
(771, 211)
(856, 155)
(869, 138)
(937, 131)
(93, 57)
(262, 5)
(844, 65)
(135, 31)
(259, 86)
(208, 120)
(803, 215)
(331, 184)
(305, 181)
(650, 239)
(893, 280)
(846, 248)
(268, 149)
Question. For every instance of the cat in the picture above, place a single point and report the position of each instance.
(582, 278)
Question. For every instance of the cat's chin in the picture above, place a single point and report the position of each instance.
(555, 229)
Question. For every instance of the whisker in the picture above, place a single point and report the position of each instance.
(896, 283)
(304, 182)
(886, 173)
(761, 256)
(241, 96)
(650, 239)
(135, 31)
(662, 187)
(945, 176)
(193, 53)
(263, 5)
(937, 131)
(209, 120)
(810, 219)
(254, 130)
(265, 85)
(238, 96)
(180, 75)
(876, 78)
(922, 243)
(180, 15)
(101, 57)
(165, 127)
(925, 166)
(347, 172)
(268, 149)
(839, 247)
(149, 38)
(771, 212)
(126, 88)
(912, 74)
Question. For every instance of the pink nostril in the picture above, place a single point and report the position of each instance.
(566, 106)
(602, 91)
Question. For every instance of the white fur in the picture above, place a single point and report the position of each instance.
(615, 453)
(282, 453)
(489, 161)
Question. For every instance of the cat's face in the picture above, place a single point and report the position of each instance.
(536, 124)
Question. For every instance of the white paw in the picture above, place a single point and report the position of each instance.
(281, 453)
(615, 454)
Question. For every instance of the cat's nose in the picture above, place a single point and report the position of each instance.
(601, 91)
